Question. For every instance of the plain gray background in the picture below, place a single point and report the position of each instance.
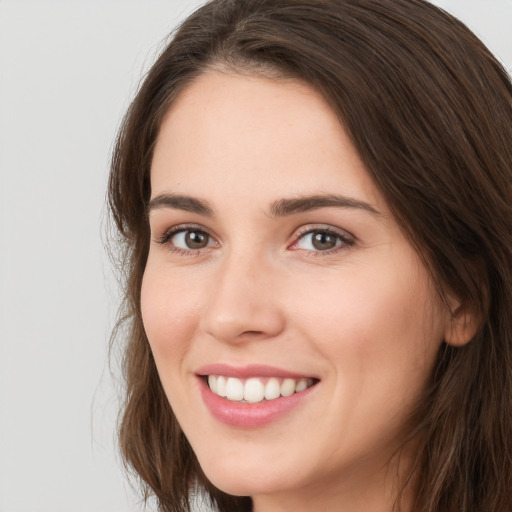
(67, 72)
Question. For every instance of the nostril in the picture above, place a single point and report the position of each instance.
(232, 318)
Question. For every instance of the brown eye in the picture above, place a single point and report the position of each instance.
(323, 240)
(196, 239)
(190, 239)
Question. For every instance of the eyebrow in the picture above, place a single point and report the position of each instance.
(177, 202)
(285, 207)
(280, 208)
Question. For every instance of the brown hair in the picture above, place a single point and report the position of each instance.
(429, 110)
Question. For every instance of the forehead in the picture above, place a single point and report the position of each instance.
(254, 134)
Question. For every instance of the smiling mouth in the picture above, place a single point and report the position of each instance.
(256, 389)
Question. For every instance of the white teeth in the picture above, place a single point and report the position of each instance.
(254, 390)
(288, 387)
(272, 389)
(301, 385)
(212, 382)
(221, 386)
(234, 389)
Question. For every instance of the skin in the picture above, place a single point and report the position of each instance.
(363, 317)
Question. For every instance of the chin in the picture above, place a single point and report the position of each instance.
(246, 480)
(243, 486)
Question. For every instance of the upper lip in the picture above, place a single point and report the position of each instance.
(247, 371)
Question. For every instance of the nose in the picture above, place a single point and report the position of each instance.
(243, 304)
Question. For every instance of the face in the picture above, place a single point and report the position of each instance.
(278, 277)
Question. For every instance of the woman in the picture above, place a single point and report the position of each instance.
(315, 199)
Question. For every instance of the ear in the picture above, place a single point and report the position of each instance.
(461, 324)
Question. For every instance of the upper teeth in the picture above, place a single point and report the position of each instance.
(255, 390)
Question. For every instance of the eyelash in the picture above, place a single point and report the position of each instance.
(182, 228)
(345, 238)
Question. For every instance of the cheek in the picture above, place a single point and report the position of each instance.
(169, 314)
(381, 335)
(380, 325)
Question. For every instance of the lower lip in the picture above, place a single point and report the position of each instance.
(247, 415)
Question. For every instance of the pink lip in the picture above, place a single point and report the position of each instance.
(247, 415)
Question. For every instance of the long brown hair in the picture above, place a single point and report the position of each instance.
(429, 110)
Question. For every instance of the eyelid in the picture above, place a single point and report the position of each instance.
(346, 238)
(169, 233)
